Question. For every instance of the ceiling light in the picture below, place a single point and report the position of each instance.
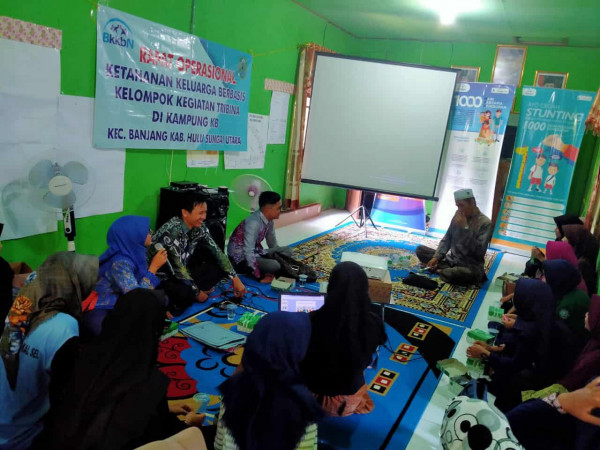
(449, 9)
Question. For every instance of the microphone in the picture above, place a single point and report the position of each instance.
(158, 246)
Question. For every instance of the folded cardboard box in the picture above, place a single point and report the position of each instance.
(380, 291)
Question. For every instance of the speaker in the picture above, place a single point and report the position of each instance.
(217, 202)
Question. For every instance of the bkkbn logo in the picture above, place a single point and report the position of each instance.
(117, 32)
(469, 100)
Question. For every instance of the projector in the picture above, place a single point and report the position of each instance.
(376, 267)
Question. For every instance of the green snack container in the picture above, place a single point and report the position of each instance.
(479, 335)
(495, 314)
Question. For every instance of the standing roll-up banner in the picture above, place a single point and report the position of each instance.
(476, 133)
(161, 88)
(551, 128)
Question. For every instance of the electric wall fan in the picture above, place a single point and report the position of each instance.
(246, 189)
(61, 186)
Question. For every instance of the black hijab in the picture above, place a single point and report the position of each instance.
(115, 388)
(267, 406)
(535, 304)
(345, 324)
(345, 334)
(567, 219)
(561, 276)
(585, 245)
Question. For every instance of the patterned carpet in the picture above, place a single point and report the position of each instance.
(453, 303)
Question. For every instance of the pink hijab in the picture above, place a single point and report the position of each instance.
(563, 250)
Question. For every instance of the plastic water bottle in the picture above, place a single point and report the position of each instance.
(203, 399)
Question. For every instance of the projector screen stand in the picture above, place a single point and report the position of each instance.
(363, 216)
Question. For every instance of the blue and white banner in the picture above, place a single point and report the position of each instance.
(551, 128)
(157, 87)
(477, 125)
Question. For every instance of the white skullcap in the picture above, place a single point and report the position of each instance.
(463, 194)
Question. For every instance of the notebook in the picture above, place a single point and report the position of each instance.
(300, 301)
(213, 335)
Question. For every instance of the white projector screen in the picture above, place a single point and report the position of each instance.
(376, 125)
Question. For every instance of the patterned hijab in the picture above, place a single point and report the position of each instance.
(62, 282)
(125, 238)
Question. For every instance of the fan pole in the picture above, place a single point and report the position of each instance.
(69, 227)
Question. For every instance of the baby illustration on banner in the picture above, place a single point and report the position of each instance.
(550, 180)
(537, 172)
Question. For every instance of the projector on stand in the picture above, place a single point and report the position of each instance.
(376, 267)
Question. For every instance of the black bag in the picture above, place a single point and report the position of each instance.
(420, 281)
(293, 268)
(533, 268)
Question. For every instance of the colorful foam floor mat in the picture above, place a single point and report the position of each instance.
(400, 383)
(455, 304)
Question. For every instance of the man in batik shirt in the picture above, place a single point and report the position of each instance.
(181, 236)
(245, 244)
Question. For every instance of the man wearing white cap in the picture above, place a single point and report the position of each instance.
(459, 258)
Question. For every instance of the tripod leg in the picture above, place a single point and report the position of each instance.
(351, 215)
(371, 220)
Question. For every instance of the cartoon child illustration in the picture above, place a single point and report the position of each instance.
(497, 123)
(536, 172)
(550, 180)
(485, 133)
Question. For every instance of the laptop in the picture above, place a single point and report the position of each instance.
(300, 301)
(213, 335)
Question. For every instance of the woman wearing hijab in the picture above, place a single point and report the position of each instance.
(535, 350)
(123, 267)
(587, 365)
(571, 302)
(345, 335)
(563, 250)
(38, 344)
(117, 397)
(538, 424)
(562, 421)
(561, 221)
(585, 246)
(537, 256)
(554, 250)
(266, 405)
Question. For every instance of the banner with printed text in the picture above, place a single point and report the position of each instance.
(157, 87)
(551, 128)
(477, 127)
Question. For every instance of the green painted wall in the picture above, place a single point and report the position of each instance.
(270, 30)
(582, 64)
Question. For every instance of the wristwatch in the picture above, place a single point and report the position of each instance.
(552, 400)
